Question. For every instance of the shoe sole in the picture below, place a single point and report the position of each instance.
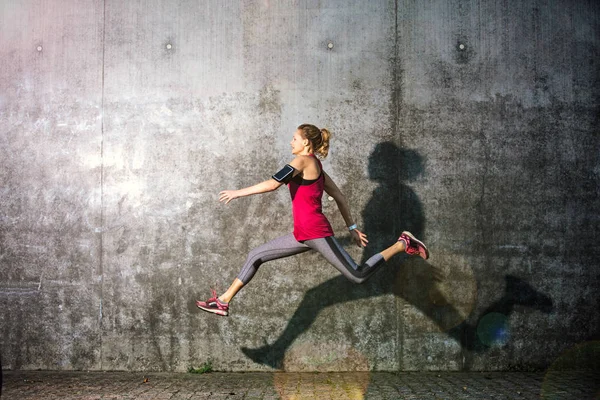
(213, 311)
(412, 238)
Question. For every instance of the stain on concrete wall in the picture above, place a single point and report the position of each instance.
(474, 124)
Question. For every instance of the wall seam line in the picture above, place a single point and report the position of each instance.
(396, 96)
(102, 190)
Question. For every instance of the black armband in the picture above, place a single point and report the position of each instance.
(285, 174)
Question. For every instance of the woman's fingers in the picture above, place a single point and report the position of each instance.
(363, 239)
(364, 242)
(225, 196)
(360, 238)
(228, 195)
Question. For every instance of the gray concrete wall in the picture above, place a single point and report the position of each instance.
(474, 124)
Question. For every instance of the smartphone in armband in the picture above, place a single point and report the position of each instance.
(285, 174)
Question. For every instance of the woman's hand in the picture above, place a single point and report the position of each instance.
(359, 237)
(228, 195)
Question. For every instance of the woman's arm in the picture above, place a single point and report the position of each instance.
(332, 190)
(263, 187)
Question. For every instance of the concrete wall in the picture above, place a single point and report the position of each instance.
(474, 124)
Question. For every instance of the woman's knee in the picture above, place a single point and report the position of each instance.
(253, 258)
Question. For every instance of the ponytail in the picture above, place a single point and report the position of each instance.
(318, 138)
(323, 149)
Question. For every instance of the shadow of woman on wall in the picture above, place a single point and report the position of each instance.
(392, 208)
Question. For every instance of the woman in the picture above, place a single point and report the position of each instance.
(307, 181)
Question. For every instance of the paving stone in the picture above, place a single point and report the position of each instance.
(30, 385)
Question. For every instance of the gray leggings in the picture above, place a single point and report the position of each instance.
(329, 247)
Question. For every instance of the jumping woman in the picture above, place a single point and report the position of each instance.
(306, 181)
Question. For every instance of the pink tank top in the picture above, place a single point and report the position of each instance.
(309, 221)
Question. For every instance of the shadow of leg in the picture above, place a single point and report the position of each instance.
(333, 291)
(445, 294)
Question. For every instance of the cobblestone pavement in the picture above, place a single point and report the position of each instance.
(24, 385)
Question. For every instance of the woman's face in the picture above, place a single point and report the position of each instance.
(297, 143)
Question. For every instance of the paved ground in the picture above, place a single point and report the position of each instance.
(124, 385)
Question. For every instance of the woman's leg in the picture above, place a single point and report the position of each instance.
(281, 247)
(330, 248)
(235, 287)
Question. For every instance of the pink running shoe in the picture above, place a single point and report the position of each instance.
(414, 246)
(214, 305)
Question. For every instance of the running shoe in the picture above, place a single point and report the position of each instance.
(414, 246)
(214, 305)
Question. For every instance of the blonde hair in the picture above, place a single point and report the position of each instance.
(318, 138)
